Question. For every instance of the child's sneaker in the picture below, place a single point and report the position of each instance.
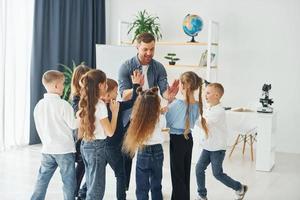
(200, 198)
(241, 193)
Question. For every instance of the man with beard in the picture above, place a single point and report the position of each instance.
(154, 75)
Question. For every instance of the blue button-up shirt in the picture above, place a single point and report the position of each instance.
(156, 74)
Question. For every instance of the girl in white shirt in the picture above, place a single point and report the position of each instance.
(94, 128)
(144, 133)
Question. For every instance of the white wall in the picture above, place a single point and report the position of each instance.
(259, 43)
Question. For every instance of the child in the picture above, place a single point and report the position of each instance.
(54, 119)
(94, 128)
(144, 133)
(79, 71)
(214, 146)
(114, 143)
(181, 118)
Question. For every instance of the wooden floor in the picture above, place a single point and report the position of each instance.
(19, 167)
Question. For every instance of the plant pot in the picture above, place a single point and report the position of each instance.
(172, 63)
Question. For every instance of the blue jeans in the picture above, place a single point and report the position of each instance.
(216, 159)
(149, 172)
(115, 160)
(66, 164)
(94, 158)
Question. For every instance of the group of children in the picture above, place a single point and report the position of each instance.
(100, 138)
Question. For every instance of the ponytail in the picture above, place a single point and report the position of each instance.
(89, 97)
(203, 121)
(187, 114)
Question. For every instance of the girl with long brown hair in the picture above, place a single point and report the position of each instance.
(144, 134)
(181, 118)
(94, 128)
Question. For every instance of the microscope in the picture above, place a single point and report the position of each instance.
(265, 100)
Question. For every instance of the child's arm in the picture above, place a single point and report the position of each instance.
(69, 116)
(110, 127)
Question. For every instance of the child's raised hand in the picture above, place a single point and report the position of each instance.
(114, 106)
(137, 77)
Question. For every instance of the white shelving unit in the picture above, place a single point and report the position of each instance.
(192, 51)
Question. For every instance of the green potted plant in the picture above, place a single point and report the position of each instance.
(144, 22)
(172, 59)
(68, 72)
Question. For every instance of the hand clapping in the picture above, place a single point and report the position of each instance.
(173, 90)
(137, 78)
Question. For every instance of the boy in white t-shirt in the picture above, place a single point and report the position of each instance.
(214, 145)
(54, 120)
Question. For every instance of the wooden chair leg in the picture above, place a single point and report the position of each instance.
(251, 145)
(244, 145)
(236, 142)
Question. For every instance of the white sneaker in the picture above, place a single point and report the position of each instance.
(241, 193)
(200, 198)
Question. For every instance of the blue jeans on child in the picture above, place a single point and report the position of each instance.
(216, 159)
(149, 172)
(93, 153)
(96, 154)
(66, 164)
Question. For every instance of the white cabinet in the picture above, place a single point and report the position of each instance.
(265, 123)
(266, 141)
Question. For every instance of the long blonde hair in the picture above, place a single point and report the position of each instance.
(144, 117)
(191, 82)
(79, 71)
(89, 96)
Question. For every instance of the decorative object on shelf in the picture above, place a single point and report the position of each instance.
(172, 58)
(192, 25)
(68, 72)
(144, 22)
(203, 59)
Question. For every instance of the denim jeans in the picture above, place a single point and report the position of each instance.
(66, 164)
(216, 159)
(93, 153)
(149, 172)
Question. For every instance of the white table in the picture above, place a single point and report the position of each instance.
(266, 138)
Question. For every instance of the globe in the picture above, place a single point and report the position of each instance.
(192, 25)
